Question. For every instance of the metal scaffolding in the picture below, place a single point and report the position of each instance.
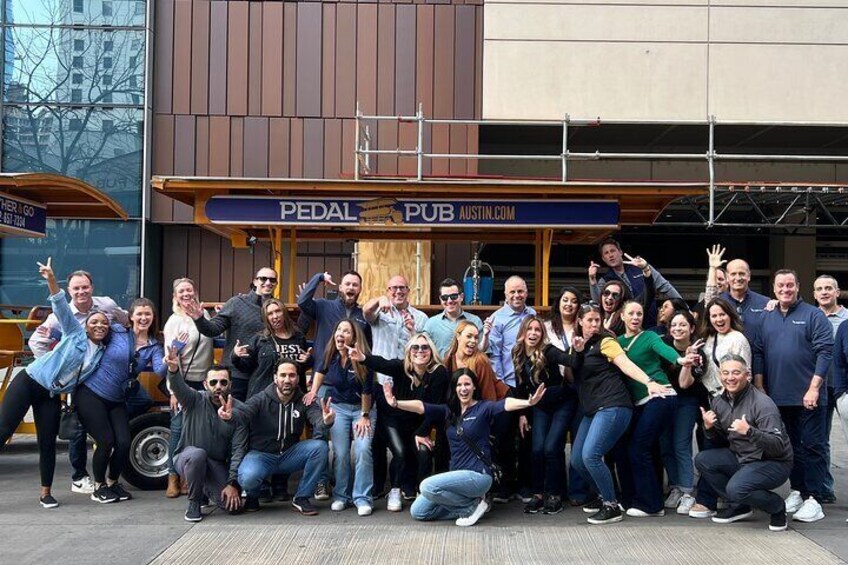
(742, 203)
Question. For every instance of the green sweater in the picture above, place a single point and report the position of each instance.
(647, 353)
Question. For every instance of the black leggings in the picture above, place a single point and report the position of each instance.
(21, 394)
(399, 436)
(108, 424)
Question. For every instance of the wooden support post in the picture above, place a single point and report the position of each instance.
(547, 242)
(277, 246)
(292, 266)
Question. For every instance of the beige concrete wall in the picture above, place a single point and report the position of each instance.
(758, 60)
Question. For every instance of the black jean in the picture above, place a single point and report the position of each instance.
(750, 484)
(108, 424)
(46, 410)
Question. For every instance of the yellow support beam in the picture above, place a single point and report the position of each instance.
(277, 234)
(547, 242)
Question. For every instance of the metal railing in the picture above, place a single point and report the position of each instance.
(363, 151)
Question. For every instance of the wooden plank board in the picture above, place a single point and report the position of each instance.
(380, 260)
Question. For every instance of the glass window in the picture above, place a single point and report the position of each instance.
(79, 44)
(109, 250)
(107, 98)
(108, 45)
(107, 126)
(76, 95)
(76, 78)
(107, 80)
(44, 57)
(77, 12)
(36, 139)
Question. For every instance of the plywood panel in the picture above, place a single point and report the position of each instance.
(218, 54)
(272, 59)
(328, 61)
(219, 146)
(289, 58)
(182, 58)
(380, 260)
(237, 60)
(256, 147)
(200, 57)
(366, 58)
(345, 94)
(309, 44)
(163, 62)
(254, 59)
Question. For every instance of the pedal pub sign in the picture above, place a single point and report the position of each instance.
(412, 212)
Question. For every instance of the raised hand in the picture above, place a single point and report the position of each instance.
(709, 417)
(303, 357)
(225, 412)
(714, 256)
(578, 343)
(695, 347)
(488, 324)
(771, 305)
(740, 425)
(327, 412)
(355, 354)
(635, 261)
(593, 271)
(172, 359)
(537, 396)
(182, 337)
(46, 271)
(240, 350)
(384, 304)
(328, 279)
(192, 309)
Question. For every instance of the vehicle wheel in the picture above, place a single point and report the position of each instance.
(148, 464)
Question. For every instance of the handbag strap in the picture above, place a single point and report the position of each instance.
(629, 345)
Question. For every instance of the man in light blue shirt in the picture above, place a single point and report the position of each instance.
(501, 328)
(441, 327)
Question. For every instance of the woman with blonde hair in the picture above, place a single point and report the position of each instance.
(195, 358)
(350, 387)
(464, 353)
(420, 375)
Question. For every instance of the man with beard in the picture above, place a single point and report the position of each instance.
(210, 449)
(241, 318)
(276, 418)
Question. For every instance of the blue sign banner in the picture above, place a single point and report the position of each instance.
(412, 212)
(22, 217)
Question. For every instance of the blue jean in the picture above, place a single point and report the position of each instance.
(451, 495)
(309, 456)
(676, 444)
(640, 485)
(137, 399)
(596, 436)
(750, 484)
(342, 435)
(579, 490)
(831, 408)
(806, 430)
(548, 432)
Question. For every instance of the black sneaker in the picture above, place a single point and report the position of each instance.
(608, 514)
(281, 493)
(593, 506)
(534, 506)
(322, 492)
(502, 497)
(553, 505)
(408, 496)
(193, 513)
(251, 504)
(120, 491)
(778, 521)
(304, 506)
(733, 514)
(104, 495)
(47, 501)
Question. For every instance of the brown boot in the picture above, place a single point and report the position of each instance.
(183, 486)
(173, 486)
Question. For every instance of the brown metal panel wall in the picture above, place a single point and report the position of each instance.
(345, 60)
(309, 29)
(219, 146)
(272, 60)
(162, 207)
(278, 148)
(464, 62)
(254, 59)
(386, 130)
(332, 148)
(184, 159)
(443, 62)
(313, 148)
(174, 261)
(163, 62)
(366, 57)
(201, 149)
(256, 147)
(217, 56)
(296, 148)
(405, 102)
(237, 61)
(328, 61)
(182, 58)
(348, 143)
(194, 243)
(289, 58)
(210, 264)
(237, 147)
(200, 26)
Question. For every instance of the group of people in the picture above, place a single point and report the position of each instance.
(472, 411)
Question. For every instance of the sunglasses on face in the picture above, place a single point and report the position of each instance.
(398, 288)
(452, 296)
(611, 294)
(216, 382)
(272, 280)
(421, 347)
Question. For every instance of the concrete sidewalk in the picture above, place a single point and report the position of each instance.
(151, 528)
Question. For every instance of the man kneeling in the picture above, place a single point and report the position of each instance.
(759, 457)
(276, 418)
(210, 450)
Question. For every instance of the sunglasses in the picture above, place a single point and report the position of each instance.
(272, 280)
(614, 295)
(398, 288)
(421, 347)
(216, 382)
(452, 296)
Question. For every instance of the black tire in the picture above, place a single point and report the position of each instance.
(147, 468)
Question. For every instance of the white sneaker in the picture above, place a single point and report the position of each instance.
(475, 516)
(673, 498)
(83, 486)
(338, 505)
(636, 513)
(810, 511)
(394, 503)
(687, 501)
(364, 510)
(793, 502)
(700, 511)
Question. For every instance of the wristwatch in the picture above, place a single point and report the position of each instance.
(366, 415)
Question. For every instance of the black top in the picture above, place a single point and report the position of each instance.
(600, 384)
(557, 389)
(264, 353)
(697, 389)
